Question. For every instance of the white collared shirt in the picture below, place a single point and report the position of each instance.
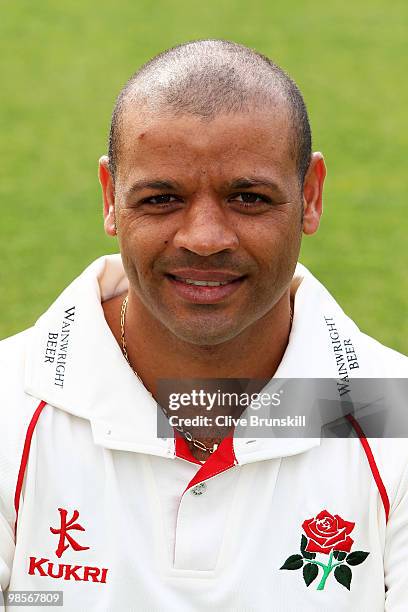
(150, 528)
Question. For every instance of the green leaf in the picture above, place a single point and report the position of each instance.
(357, 557)
(339, 555)
(310, 571)
(343, 574)
(305, 553)
(293, 562)
(308, 555)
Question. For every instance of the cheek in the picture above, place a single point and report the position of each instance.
(276, 247)
(146, 230)
(141, 243)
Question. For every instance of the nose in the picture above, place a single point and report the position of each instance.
(206, 229)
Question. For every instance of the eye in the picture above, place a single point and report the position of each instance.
(161, 201)
(248, 199)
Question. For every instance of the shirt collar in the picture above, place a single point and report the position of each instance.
(98, 384)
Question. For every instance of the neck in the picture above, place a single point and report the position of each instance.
(255, 353)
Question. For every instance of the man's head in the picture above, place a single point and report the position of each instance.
(207, 78)
(210, 178)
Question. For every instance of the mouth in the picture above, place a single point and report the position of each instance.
(204, 291)
(201, 283)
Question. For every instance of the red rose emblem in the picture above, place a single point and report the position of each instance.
(327, 532)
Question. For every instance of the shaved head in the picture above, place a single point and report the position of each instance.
(208, 78)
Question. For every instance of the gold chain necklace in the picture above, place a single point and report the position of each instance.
(186, 434)
(200, 445)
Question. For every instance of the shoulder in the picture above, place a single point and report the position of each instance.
(387, 363)
(13, 359)
(391, 459)
(390, 453)
(385, 381)
(16, 410)
(13, 352)
(14, 346)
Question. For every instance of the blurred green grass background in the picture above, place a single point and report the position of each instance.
(63, 64)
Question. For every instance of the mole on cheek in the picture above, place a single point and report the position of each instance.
(142, 135)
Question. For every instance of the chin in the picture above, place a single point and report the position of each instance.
(207, 335)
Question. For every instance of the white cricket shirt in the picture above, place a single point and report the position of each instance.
(119, 519)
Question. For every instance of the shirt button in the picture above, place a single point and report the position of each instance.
(199, 488)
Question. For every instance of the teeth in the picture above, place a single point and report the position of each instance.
(189, 281)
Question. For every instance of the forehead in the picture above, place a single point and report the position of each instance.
(239, 142)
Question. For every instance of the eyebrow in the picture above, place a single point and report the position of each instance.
(151, 184)
(246, 182)
(242, 182)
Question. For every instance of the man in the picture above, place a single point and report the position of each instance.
(209, 184)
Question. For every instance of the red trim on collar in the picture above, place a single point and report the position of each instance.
(221, 460)
(373, 466)
(24, 459)
(182, 448)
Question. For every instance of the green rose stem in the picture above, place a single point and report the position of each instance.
(326, 569)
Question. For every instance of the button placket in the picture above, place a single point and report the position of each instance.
(202, 519)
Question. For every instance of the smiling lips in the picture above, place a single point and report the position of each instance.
(204, 286)
(198, 283)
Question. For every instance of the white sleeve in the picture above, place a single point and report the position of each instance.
(396, 550)
(14, 417)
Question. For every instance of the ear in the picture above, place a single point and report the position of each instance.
(108, 193)
(313, 194)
